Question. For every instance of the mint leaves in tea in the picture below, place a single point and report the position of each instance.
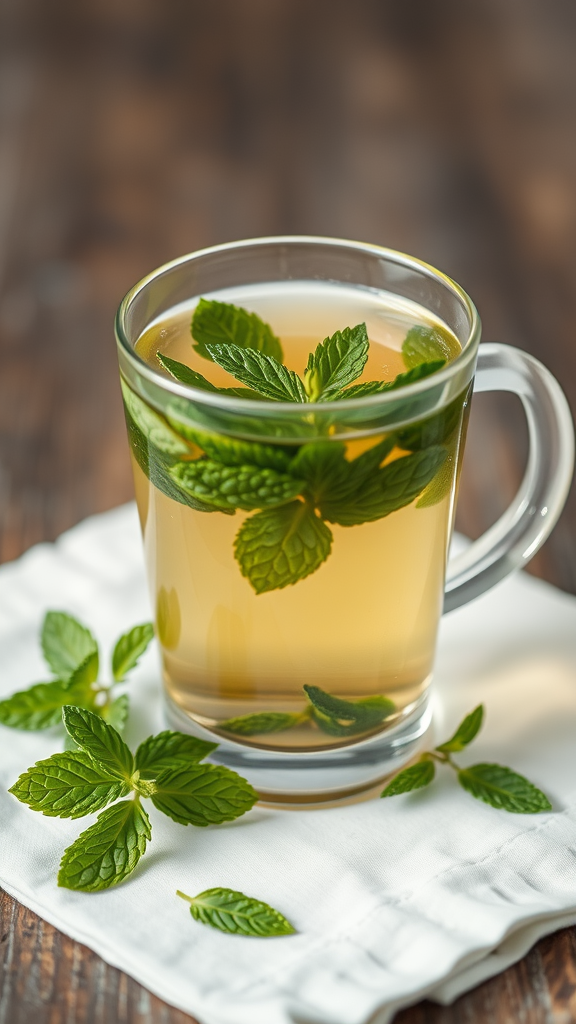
(297, 560)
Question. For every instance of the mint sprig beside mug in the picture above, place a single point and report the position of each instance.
(71, 652)
(165, 769)
(495, 784)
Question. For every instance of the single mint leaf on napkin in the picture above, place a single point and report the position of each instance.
(467, 731)
(415, 777)
(260, 372)
(262, 722)
(232, 451)
(224, 323)
(339, 717)
(108, 851)
(426, 344)
(101, 741)
(202, 794)
(68, 785)
(235, 487)
(66, 643)
(237, 914)
(502, 788)
(129, 648)
(39, 707)
(116, 713)
(376, 387)
(336, 362)
(280, 546)
(159, 752)
(391, 488)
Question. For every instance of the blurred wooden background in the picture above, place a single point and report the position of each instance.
(132, 131)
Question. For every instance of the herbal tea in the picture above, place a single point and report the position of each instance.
(298, 580)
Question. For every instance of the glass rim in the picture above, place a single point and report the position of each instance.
(244, 405)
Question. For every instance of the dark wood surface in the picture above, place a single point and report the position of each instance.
(132, 132)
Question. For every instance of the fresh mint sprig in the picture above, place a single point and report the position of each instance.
(165, 769)
(493, 783)
(293, 490)
(236, 914)
(71, 651)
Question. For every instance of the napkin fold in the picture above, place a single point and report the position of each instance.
(421, 895)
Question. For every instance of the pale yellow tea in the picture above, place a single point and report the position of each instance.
(297, 580)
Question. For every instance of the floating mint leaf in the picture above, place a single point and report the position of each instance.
(100, 740)
(237, 914)
(260, 372)
(39, 707)
(66, 643)
(436, 429)
(186, 375)
(202, 794)
(68, 785)
(391, 488)
(235, 487)
(425, 344)
(336, 362)
(154, 428)
(116, 713)
(322, 464)
(223, 323)
(108, 851)
(162, 751)
(232, 451)
(502, 788)
(339, 717)
(402, 380)
(440, 485)
(415, 777)
(467, 731)
(129, 648)
(280, 546)
(262, 722)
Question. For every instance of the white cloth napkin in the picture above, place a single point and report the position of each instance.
(425, 894)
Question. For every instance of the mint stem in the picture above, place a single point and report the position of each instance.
(183, 896)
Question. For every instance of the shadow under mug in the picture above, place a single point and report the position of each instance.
(340, 618)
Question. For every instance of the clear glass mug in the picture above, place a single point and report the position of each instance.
(357, 625)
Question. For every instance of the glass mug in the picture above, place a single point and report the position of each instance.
(297, 551)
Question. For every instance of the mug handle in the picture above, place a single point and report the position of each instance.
(512, 541)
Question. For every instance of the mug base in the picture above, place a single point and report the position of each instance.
(318, 778)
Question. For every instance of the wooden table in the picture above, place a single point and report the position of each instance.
(132, 132)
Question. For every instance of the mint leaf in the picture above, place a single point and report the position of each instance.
(100, 740)
(281, 546)
(502, 788)
(232, 451)
(159, 752)
(340, 717)
(68, 785)
(376, 387)
(235, 487)
(116, 713)
(153, 426)
(467, 731)
(415, 777)
(389, 489)
(436, 429)
(336, 362)
(221, 322)
(262, 722)
(260, 372)
(39, 707)
(322, 464)
(81, 679)
(440, 485)
(202, 794)
(107, 852)
(425, 344)
(186, 375)
(129, 648)
(66, 643)
(237, 914)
